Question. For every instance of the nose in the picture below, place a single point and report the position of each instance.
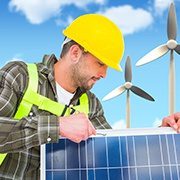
(103, 71)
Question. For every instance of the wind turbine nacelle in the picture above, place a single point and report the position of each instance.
(171, 44)
(128, 85)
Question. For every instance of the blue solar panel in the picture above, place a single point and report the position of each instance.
(114, 157)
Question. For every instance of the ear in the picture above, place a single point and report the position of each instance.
(75, 53)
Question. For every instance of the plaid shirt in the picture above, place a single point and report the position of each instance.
(21, 139)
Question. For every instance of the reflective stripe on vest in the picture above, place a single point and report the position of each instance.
(32, 97)
(25, 107)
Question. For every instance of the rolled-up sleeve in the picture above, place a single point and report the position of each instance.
(48, 128)
(29, 132)
(18, 135)
(96, 114)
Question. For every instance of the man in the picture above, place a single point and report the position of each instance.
(92, 44)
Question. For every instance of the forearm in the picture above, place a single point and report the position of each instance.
(29, 132)
(100, 122)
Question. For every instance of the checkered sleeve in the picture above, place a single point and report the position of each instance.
(18, 135)
(96, 114)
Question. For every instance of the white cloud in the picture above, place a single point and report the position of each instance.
(101, 2)
(119, 125)
(161, 5)
(64, 23)
(37, 11)
(83, 3)
(130, 20)
(17, 57)
(157, 122)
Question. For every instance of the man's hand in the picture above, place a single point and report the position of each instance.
(172, 121)
(76, 127)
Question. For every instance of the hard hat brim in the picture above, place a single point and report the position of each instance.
(117, 67)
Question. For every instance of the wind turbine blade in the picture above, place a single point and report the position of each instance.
(154, 54)
(141, 93)
(177, 49)
(172, 23)
(128, 71)
(114, 93)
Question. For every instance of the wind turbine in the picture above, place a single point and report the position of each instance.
(128, 86)
(161, 50)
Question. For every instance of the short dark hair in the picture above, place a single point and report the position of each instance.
(67, 46)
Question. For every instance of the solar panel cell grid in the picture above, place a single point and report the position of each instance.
(115, 158)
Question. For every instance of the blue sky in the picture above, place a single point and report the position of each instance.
(29, 29)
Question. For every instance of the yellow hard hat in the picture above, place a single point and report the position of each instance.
(99, 36)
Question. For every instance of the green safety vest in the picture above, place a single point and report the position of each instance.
(31, 97)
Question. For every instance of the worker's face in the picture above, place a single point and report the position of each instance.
(89, 70)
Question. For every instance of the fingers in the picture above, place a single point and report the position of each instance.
(177, 116)
(76, 127)
(169, 122)
(177, 119)
(172, 121)
(88, 131)
(85, 134)
(92, 130)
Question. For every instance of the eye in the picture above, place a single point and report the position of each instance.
(100, 63)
